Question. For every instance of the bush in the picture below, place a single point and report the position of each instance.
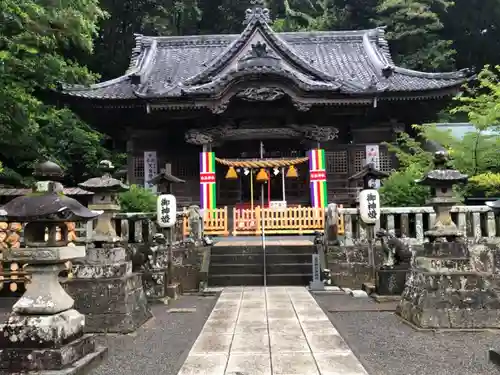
(137, 199)
(401, 190)
(488, 182)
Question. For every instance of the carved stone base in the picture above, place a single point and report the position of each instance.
(76, 357)
(390, 282)
(114, 305)
(46, 344)
(155, 284)
(460, 300)
(21, 331)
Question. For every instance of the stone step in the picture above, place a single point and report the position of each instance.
(236, 280)
(237, 259)
(289, 268)
(288, 258)
(289, 279)
(273, 249)
(235, 268)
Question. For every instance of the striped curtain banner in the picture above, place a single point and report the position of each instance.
(317, 178)
(207, 180)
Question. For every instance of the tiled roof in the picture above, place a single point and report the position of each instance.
(20, 192)
(342, 62)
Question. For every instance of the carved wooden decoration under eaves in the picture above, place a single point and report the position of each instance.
(261, 94)
(216, 135)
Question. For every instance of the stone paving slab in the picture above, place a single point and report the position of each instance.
(269, 331)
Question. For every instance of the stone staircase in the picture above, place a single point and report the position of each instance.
(243, 264)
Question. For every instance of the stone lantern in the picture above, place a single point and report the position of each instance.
(103, 285)
(495, 206)
(105, 198)
(441, 180)
(446, 287)
(43, 327)
(369, 174)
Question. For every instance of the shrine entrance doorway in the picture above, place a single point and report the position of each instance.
(244, 190)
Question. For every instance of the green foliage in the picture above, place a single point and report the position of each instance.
(481, 101)
(34, 39)
(400, 189)
(137, 199)
(476, 153)
(414, 28)
(488, 182)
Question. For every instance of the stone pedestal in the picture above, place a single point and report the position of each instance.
(44, 334)
(107, 292)
(32, 343)
(154, 283)
(443, 291)
(390, 282)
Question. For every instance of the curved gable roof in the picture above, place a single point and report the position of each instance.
(345, 62)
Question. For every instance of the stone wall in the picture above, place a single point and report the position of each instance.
(350, 266)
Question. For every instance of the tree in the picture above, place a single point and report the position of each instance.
(137, 199)
(481, 102)
(473, 25)
(475, 154)
(35, 37)
(115, 40)
(400, 188)
(415, 33)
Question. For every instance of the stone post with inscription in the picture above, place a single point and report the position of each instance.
(44, 334)
(444, 288)
(369, 212)
(103, 285)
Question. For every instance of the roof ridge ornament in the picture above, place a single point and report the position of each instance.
(257, 12)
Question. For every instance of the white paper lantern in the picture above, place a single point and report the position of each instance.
(369, 206)
(166, 210)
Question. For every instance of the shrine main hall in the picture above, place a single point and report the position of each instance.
(307, 109)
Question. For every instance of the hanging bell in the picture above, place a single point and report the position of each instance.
(292, 172)
(231, 174)
(262, 176)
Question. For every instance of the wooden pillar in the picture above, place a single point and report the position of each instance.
(130, 161)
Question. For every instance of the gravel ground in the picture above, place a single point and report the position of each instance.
(161, 345)
(387, 346)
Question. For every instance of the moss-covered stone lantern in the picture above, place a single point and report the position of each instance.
(441, 180)
(43, 326)
(105, 199)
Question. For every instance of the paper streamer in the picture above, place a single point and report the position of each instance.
(317, 178)
(207, 180)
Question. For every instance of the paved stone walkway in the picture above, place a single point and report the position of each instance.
(269, 331)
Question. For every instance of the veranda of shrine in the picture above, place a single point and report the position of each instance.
(299, 112)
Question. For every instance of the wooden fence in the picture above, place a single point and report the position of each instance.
(248, 222)
(215, 223)
(292, 220)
